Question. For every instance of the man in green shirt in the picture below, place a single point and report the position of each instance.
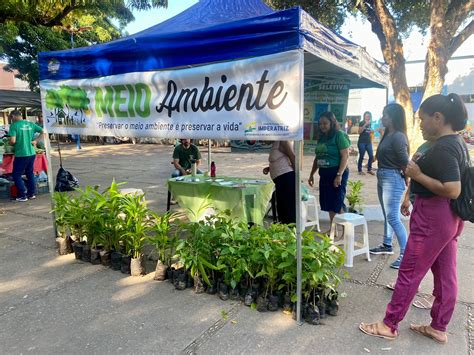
(21, 135)
(183, 156)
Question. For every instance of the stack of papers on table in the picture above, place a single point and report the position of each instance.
(256, 182)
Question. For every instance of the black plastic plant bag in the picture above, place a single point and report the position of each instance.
(65, 181)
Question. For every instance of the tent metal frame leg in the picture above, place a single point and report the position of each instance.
(298, 153)
(47, 147)
(209, 142)
(299, 227)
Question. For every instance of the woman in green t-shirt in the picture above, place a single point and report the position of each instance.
(332, 154)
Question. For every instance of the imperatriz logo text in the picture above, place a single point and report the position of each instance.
(271, 127)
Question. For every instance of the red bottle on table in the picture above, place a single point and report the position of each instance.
(213, 170)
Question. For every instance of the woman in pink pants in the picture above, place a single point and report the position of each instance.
(434, 227)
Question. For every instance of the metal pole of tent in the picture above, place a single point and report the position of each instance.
(209, 155)
(47, 147)
(299, 226)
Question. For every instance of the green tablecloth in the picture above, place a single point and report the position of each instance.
(247, 199)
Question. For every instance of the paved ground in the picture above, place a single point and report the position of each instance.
(55, 304)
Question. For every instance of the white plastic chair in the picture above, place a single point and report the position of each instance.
(349, 221)
(310, 213)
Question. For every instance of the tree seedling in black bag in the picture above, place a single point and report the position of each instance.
(332, 305)
(223, 291)
(273, 303)
(312, 315)
(180, 279)
(198, 285)
(234, 294)
(287, 306)
(212, 288)
(250, 297)
(262, 304)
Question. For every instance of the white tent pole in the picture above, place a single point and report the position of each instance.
(209, 155)
(47, 147)
(299, 226)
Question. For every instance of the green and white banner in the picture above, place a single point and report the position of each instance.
(321, 95)
(258, 98)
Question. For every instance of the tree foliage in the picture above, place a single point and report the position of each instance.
(33, 26)
(330, 13)
(410, 15)
(449, 22)
(51, 13)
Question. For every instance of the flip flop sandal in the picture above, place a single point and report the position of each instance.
(373, 330)
(422, 303)
(422, 330)
(391, 286)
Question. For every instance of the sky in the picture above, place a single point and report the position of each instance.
(355, 29)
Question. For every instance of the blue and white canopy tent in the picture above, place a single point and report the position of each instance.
(223, 69)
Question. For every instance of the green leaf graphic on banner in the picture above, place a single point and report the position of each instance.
(67, 105)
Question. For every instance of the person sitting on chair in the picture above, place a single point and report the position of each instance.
(183, 156)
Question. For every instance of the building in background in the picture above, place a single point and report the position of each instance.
(460, 80)
(9, 82)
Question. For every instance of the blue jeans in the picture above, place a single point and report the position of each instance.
(390, 188)
(24, 165)
(365, 147)
(77, 139)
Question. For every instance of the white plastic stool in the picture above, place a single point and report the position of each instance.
(349, 221)
(310, 213)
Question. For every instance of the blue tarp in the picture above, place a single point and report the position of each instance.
(215, 31)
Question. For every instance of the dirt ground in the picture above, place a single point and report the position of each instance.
(52, 304)
(148, 166)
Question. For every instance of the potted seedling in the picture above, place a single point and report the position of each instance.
(137, 226)
(195, 253)
(164, 244)
(92, 224)
(354, 196)
(287, 268)
(233, 260)
(74, 216)
(87, 219)
(63, 239)
(321, 271)
(274, 252)
(113, 220)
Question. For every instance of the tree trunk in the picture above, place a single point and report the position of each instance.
(436, 64)
(437, 56)
(383, 25)
(445, 19)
